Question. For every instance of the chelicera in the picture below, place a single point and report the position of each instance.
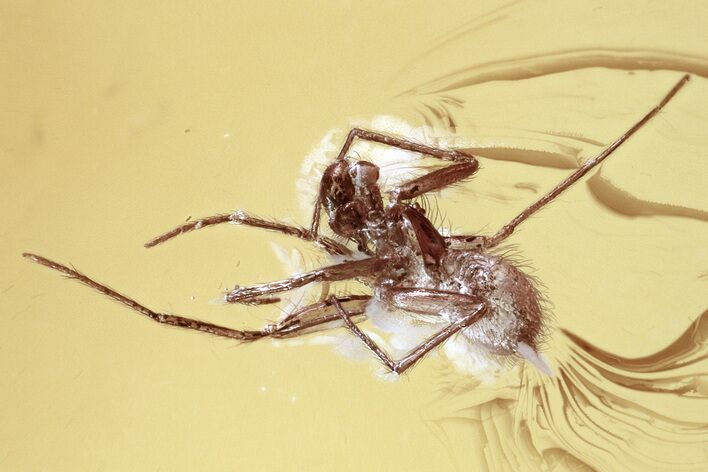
(400, 255)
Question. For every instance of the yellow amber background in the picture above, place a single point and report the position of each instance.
(119, 120)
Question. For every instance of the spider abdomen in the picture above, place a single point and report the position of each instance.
(514, 313)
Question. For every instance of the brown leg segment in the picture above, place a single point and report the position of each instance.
(318, 314)
(304, 318)
(444, 154)
(437, 179)
(241, 218)
(261, 293)
(422, 301)
(507, 229)
(431, 302)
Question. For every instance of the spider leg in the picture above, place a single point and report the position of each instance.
(466, 166)
(320, 313)
(241, 218)
(393, 141)
(262, 293)
(304, 318)
(508, 228)
(427, 302)
(435, 180)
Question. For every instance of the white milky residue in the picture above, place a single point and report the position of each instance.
(536, 359)
(472, 358)
(294, 263)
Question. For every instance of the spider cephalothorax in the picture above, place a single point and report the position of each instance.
(352, 199)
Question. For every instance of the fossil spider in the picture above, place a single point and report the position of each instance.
(408, 264)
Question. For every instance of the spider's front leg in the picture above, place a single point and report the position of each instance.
(242, 218)
(262, 293)
(464, 166)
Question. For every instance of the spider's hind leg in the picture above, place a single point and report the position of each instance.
(421, 301)
(296, 323)
(317, 314)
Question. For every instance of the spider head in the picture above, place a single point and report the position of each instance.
(351, 196)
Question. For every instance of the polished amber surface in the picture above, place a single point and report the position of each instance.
(120, 120)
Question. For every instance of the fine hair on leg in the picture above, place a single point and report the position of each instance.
(508, 229)
(293, 324)
(241, 218)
